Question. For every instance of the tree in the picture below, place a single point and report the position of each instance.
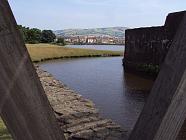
(47, 36)
(61, 41)
(30, 35)
(23, 30)
(34, 35)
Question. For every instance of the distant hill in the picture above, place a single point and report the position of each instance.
(112, 31)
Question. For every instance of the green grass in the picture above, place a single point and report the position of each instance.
(4, 134)
(41, 52)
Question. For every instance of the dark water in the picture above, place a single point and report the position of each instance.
(117, 95)
(99, 47)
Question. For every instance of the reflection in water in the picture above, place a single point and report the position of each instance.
(119, 96)
(137, 84)
(136, 91)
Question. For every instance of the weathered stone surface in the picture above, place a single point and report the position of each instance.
(24, 107)
(77, 116)
(146, 48)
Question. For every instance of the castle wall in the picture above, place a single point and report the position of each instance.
(146, 48)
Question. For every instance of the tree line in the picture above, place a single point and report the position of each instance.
(34, 35)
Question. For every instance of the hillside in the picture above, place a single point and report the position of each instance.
(112, 31)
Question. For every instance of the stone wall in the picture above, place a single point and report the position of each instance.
(146, 48)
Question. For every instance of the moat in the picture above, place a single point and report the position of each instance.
(119, 96)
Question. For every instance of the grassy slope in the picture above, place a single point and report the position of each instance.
(40, 52)
(4, 135)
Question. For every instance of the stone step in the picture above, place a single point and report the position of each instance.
(84, 120)
(72, 120)
(99, 133)
(83, 135)
(90, 125)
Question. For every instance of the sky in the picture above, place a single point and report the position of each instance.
(66, 14)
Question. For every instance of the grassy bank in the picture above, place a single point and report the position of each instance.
(4, 134)
(41, 52)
